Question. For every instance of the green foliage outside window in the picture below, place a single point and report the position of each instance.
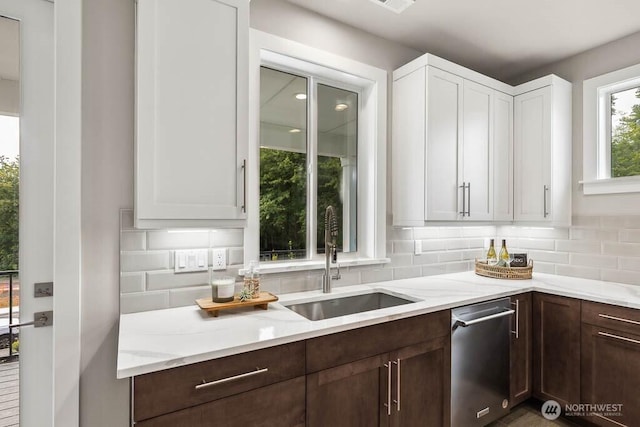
(9, 191)
(625, 143)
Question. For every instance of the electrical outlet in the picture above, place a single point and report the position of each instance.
(190, 260)
(219, 259)
(417, 247)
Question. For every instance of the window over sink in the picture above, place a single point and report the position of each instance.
(319, 138)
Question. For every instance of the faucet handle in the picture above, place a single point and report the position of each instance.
(334, 254)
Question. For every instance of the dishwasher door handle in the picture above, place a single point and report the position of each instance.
(465, 323)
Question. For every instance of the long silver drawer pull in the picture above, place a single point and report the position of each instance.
(619, 319)
(618, 337)
(517, 331)
(397, 402)
(388, 404)
(464, 200)
(465, 323)
(233, 378)
(546, 212)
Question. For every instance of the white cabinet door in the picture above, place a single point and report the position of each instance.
(502, 164)
(444, 128)
(191, 105)
(475, 156)
(408, 149)
(533, 191)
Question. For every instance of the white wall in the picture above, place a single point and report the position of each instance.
(107, 186)
(609, 57)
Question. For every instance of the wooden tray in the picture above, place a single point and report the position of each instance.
(513, 273)
(214, 307)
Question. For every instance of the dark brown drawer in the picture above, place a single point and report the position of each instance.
(174, 389)
(611, 317)
(276, 405)
(344, 347)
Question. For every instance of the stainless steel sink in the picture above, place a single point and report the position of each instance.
(342, 306)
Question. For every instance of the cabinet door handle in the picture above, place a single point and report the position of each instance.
(546, 190)
(517, 331)
(619, 319)
(397, 401)
(464, 200)
(233, 378)
(618, 337)
(388, 404)
(469, 199)
(244, 186)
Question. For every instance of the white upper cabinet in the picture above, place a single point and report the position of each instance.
(191, 112)
(542, 158)
(502, 169)
(447, 132)
(444, 109)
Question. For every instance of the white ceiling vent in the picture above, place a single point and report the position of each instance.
(396, 5)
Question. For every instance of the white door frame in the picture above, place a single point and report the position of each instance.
(51, 382)
(67, 240)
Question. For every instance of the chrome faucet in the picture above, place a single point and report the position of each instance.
(330, 248)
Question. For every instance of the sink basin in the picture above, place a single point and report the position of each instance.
(342, 306)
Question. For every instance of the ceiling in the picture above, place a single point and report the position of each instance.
(9, 49)
(500, 38)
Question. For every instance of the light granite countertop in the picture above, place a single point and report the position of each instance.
(161, 339)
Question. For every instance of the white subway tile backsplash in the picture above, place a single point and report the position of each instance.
(600, 261)
(629, 263)
(606, 248)
(188, 296)
(593, 234)
(168, 279)
(620, 276)
(143, 301)
(621, 249)
(145, 261)
(548, 257)
(165, 239)
(133, 240)
(406, 272)
(627, 235)
(578, 246)
(132, 282)
(540, 244)
(543, 267)
(376, 275)
(575, 271)
(226, 237)
(450, 256)
(630, 221)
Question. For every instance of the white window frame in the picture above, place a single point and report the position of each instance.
(597, 132)
(371, 85)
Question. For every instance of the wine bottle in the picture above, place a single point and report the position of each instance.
(492, 259)
(504, 255)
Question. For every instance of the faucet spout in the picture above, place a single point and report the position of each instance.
(330, 248)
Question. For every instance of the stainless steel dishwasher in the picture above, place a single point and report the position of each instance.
(480, 362)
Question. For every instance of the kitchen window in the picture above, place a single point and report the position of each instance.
(612, 132)
(308, 161)
(320, 139)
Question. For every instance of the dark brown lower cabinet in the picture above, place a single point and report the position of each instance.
(611, 363)
(556, 348)
(405, 387)
(277, 405)
(520, 350)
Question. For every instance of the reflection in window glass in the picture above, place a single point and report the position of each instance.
(337, 163)
(283, 159)
(625, 133)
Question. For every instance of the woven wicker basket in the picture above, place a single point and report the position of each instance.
(514, 273)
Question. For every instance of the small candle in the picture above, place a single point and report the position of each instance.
(222, 289)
